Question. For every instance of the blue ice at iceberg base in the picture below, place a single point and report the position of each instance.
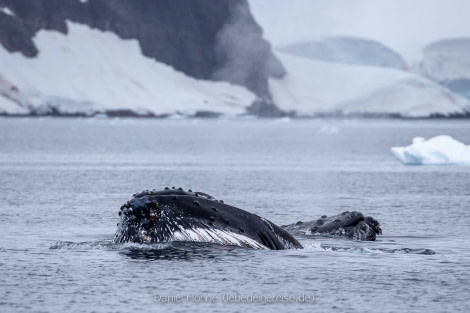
(437, 150)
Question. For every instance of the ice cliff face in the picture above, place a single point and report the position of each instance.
(348, 50)
(448, 63)
(447, 59)
(207, 39)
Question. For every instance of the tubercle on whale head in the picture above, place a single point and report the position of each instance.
(350, 224)
(137, 218)
(374, 224)
(174, 192)
(141, 217)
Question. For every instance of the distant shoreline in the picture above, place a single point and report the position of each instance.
(125, 114)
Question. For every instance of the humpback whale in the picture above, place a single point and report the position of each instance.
(353, 225)
(177, 215)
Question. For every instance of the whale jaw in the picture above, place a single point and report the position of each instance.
(133, 230)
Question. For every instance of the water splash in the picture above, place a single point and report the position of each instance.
(367, 250)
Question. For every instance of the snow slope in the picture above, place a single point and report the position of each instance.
(312, 87)
(412, 97)
(89, 71)
(437, 150)
(7, 105)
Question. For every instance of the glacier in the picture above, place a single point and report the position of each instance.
(446, 59)
(348, 50)
(314, 87)
(447, 62)
(437, 150)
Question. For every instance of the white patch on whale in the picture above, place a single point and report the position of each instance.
(216, 236)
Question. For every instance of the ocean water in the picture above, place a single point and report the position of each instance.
(62, 182)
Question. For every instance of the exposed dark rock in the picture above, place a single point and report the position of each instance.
(206, 114)
(264, 107)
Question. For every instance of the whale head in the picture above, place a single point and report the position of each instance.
(177, 215)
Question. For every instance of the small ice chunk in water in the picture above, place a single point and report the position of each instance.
(328, 129)
(437, 150)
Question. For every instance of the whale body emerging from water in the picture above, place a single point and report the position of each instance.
(353, 225)
(177, 215)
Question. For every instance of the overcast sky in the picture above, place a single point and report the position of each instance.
(404, 25)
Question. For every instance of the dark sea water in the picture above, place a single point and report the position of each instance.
(62, 182)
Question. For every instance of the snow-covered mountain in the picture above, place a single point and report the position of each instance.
(365, 29)
(324, 88)
(198, 58)
(99, 72)
(348, 50)
(132, 57)
(349, 76)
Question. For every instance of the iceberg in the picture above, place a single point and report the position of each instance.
(437, 150)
